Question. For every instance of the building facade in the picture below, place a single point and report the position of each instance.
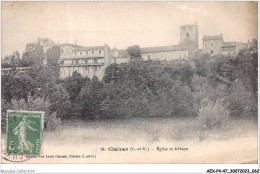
(186, 48)
(88, 61)
(164, 53)
(92, 61)
(215, 45)
(212, 44)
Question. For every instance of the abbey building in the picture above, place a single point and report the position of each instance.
(92, 61)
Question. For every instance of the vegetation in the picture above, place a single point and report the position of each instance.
(134, 52)
(136, 89)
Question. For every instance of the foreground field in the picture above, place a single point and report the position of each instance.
(153, 140)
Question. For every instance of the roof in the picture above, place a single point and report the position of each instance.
(188, 25)
(230, 44)
(80, 48)
(162, 49)
(123, 52)
(216, 37)
(66, 44)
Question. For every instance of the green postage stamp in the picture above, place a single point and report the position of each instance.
(24, 132)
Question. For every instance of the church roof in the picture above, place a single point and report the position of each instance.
(123, 52)
(162, 49)
(216, 37)
(80, 48)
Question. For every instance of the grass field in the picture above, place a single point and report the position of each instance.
(151, 129)
(235, 143)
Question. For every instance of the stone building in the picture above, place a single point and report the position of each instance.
(92, 61)
(186, 48)
(88, 61)
(215, 45)
(165, 53)
(212, 44)
(120, 56)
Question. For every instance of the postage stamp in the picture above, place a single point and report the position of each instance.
(24, 132)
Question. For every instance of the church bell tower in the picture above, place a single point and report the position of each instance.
(189, 35)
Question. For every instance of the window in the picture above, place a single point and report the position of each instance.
(75, 62)
(75, 53)
(211, 51)
(92, 52)
(95, 68)
(95, 60)
(205, 45)
(86, 52)
(99, 51)
(187, 36)
(62, 51)
(80, 53)
(211, 44)
(86, 61)
(148, 57)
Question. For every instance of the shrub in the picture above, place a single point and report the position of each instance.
(38, 104)
(59, 101)
(212, 115)
(4, 106)
(241, 102)
(53, 122)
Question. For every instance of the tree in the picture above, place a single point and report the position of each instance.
(91, 97)
(12, 60)
(134, 52)
(33, 54)
(246, 64)
(38, 104)
(74, 84)
(201, 65)
(52, 56)
(59, 101)
(147, 89)
(17, 86)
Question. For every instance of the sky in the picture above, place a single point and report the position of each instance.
(122, 24)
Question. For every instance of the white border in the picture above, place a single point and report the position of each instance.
(134, 168)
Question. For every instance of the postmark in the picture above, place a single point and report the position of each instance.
(24, 132)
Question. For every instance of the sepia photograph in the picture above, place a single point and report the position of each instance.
(129, 82)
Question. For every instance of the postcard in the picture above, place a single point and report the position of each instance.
(129, 82)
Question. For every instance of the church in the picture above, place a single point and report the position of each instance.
(92, 61)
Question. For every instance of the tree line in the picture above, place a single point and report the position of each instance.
(135, 89)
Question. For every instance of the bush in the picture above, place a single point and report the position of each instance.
(59, 101)
(53, 122)
(241, 102)
(38, 104)
(4, 106)
(212, 115)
